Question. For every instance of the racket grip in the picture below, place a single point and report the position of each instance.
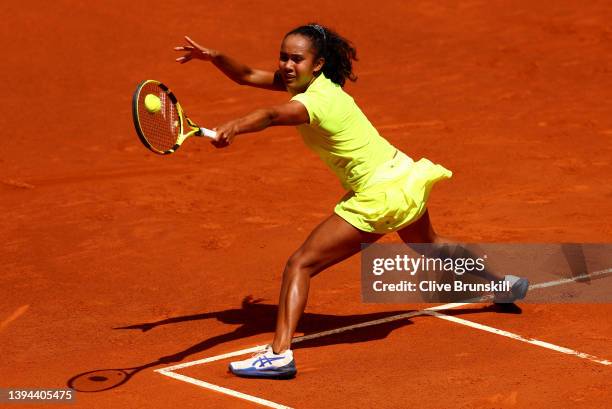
(209, 133)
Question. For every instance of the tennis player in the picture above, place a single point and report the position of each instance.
(387, 190)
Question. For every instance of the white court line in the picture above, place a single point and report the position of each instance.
(313, 336)
(594, 274)
(168, 371)
(221, 389)
(532, 340)
(212, 359)
(570, 280)
(18, 312)
(518, 337)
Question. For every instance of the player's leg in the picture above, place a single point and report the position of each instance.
(422, 231)
(329, 243)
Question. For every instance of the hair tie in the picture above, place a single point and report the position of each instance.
(320, 30)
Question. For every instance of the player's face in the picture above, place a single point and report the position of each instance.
(298, 64)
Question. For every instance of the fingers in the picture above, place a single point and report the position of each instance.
(193, 43)
(195, 51)
(187, 57)
(220, 144)
(184, 59)
(221, 140)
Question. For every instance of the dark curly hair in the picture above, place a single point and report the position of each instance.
(338, 52)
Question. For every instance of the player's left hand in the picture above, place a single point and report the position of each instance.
(195, 51)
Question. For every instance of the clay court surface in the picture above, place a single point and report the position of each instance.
(98, 233)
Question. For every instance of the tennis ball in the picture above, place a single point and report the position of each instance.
(152, 103)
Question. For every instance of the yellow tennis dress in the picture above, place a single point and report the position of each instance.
(387, 189)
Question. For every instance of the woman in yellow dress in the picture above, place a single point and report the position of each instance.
(387, 190)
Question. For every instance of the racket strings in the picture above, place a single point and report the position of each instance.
(161, 129)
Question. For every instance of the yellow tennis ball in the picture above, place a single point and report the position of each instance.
(152, 103)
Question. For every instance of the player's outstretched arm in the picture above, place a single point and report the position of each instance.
(290, 113)
(236, 71)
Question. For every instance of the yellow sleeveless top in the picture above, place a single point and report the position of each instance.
(341, 134)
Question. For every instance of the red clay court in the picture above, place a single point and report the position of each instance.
(187, 250)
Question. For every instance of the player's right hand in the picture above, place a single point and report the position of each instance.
(225, 134)
(194, 51)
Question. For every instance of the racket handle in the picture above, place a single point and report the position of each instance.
(209, 133)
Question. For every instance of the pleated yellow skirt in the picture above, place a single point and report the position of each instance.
(395, 195)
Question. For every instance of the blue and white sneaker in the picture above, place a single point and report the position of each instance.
(266, 364)
(518, 290)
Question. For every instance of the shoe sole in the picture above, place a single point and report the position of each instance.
(284, 374)
(265, 376)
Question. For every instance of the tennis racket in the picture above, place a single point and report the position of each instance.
(164, 128)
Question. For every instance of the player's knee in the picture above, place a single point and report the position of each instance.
(298, 264)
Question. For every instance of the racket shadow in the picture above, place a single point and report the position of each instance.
(254, 318)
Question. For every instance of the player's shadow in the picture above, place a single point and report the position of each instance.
(255, 317)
